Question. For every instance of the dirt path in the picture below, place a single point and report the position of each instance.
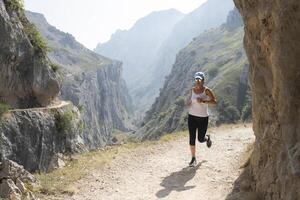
(161, 172)
(58, 104)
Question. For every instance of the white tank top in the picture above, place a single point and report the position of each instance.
(196, 108)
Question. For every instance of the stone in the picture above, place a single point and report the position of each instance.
(26, 78)
(21, 186)
(13, 181)
(9, 190)
(32, 137)
(272, 43)
(56, 162)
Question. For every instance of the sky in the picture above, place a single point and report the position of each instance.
(93, 21)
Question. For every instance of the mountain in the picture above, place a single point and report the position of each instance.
(209, 15)
(91, 81)
(148, 76)
(220, 55)
(138, 46)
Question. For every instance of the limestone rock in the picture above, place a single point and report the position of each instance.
(26, 78)
(32, 137)
(14, 171)
(9, 190)
(13, 181)
(272, 31)
(56, 162)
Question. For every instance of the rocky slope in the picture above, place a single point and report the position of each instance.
(219, 53)
(272, 31)
(26, 78)
(15, 182)
(33, 135)
(92, 82)
(152, 55)
(209, 15)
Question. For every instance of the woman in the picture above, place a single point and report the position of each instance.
(197, 102)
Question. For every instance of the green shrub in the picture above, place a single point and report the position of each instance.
(14, 5)
(212, 72)
(54, 67)
(63, 121)
(247, 108)
(227, 112)
(81, 127)
(180, 101)
(80, 108)
(162, 115)
(247, 112)
(3, 109)
(35, 38)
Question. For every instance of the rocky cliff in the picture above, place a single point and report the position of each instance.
(91, 81)
(31, 136)
(272, 31)
(220, 54)
(26, 78)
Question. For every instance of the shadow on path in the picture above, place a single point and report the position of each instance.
(177, 180)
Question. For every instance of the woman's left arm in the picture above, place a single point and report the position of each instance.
(212, 98)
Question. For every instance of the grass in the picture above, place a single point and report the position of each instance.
(61, 181)
(4, 108)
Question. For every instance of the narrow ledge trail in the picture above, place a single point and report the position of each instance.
(161, 171)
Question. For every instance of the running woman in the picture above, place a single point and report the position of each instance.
(197, 102)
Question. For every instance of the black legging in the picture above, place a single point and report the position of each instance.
(199, 123)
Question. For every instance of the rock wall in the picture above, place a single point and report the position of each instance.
(31, 137)
(103, 96)
(91, 81)
(272, 31)
(26, 78)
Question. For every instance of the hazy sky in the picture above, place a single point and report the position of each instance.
(93, 21)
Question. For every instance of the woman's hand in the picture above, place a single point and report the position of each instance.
(200, 100)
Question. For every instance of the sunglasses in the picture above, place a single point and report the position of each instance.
(198, 79)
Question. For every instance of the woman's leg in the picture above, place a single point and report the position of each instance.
(202, 128)
(192, 133)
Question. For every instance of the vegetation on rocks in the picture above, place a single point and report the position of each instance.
(14, 5)
(63, 121)
(3, 109)
(33, 35)
(55, 67)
